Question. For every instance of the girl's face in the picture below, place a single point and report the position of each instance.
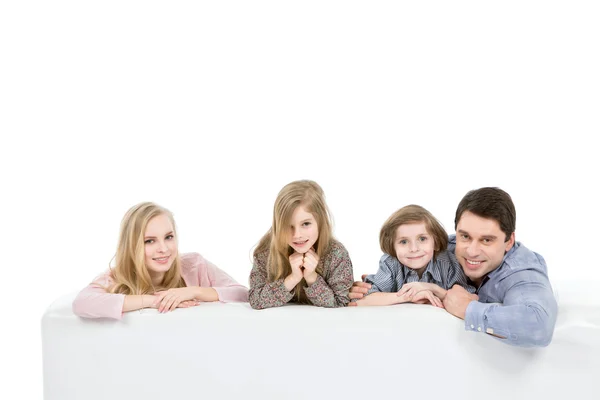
(304, 230)
(160, 244)
(414, 245)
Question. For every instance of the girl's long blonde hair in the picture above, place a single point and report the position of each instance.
(310, 195)
(130, 273)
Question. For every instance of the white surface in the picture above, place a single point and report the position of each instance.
(229, 351)
(105, 104)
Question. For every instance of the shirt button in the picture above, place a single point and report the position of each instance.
(479, 328)
(472, 326)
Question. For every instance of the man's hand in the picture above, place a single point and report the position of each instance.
(457, 300)
(359, 288)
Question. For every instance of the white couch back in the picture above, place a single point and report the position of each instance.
(229, 351)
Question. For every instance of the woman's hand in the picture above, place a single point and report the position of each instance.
(188, 304)
(168, 300)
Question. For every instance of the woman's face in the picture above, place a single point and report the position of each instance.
(160, 244)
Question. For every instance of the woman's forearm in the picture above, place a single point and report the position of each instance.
(205, 294)
(137, 302)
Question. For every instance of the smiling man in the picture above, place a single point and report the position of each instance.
(514, 300)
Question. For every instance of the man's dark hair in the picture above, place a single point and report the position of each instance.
(490, 202)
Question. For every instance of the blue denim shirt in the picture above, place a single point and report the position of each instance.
(515, 300)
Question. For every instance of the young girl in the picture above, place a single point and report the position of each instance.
(416, 267)
(150, 273)
(298, 259)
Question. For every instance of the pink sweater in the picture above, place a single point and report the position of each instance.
(95, 302)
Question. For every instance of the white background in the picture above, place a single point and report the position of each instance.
(209, 109)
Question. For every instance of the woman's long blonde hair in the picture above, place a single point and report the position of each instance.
(310, 195)
(130, 273)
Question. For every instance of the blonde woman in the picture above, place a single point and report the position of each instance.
(150, 273)
(298, 259)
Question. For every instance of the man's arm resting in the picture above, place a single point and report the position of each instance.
(526, 318)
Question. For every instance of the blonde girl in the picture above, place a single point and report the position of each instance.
(298, 260)
(149, 272)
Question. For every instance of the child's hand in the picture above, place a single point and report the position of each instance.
(405, 297)
(296, 262)
(311, 259)
(427, 296)
(415, 286)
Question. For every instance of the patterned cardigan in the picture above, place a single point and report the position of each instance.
(329, 290)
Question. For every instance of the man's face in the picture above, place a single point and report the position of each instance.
(480, 245)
